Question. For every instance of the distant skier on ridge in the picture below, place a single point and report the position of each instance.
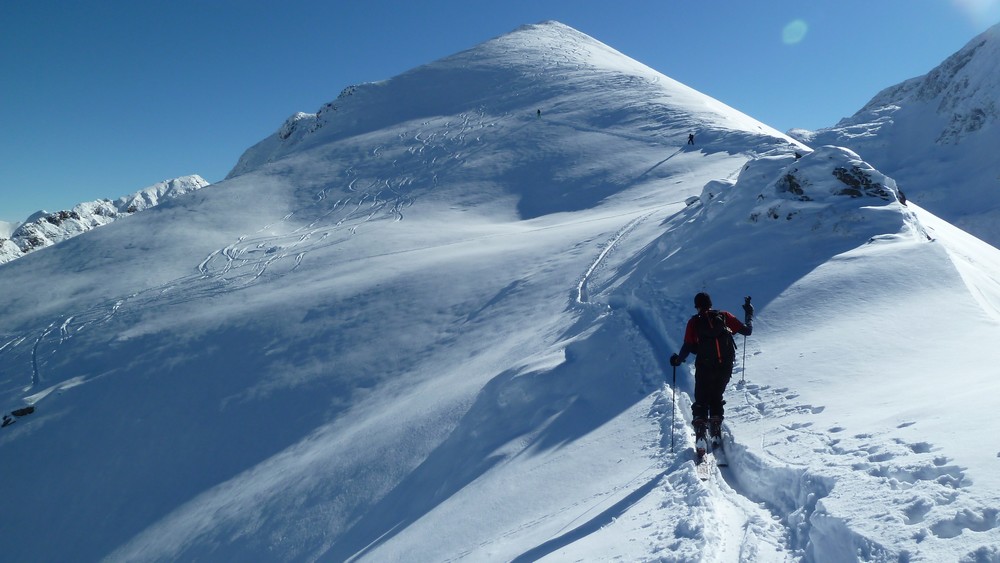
(690, 138)
(709, 334)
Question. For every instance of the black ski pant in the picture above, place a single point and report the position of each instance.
(709, 385)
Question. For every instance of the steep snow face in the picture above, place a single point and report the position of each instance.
(937, 136)
(44, 229)
(548, 68)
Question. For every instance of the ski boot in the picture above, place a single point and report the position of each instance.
(715, 429)
(700, 438)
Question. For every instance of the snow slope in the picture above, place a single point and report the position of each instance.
(435, 328)
(44, 229)
(937, 135)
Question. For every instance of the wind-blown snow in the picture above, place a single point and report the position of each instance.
(426, 324)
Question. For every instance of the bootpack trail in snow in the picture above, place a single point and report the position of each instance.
(755, 519)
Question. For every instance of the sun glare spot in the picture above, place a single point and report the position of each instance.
(979, 12)
(794, 32)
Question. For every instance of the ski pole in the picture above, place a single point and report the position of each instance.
(673, 408)
(747, 318)
(743, 375)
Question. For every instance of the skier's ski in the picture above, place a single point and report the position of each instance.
(719, 452)
(704, 467)
(704, 459)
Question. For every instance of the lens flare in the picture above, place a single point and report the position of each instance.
(794, 32)
(979, 12)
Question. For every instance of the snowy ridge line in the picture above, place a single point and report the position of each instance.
(964, 260)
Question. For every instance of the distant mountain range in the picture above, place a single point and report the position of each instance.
(44, 229)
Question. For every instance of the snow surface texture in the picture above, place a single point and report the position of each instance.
(433, 326)
(44, 229)
(937, 135)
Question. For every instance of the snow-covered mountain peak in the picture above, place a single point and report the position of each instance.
(559, 44)
(159, 192)
(971, 74)
(963, 91)
(548, 71)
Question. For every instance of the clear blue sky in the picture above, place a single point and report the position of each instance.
(102, 98)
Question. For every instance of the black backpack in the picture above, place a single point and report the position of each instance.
(716, 346)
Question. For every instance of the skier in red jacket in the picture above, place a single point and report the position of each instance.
(709, 335)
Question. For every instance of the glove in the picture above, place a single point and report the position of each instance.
(675, 360)
(747, 311)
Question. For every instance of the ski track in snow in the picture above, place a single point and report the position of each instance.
(775, 502)
(733, 514)
(369, 200)
(582, 289)
(36, 376)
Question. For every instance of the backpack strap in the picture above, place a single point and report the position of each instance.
(718, 349)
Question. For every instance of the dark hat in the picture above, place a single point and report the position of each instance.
(702, 301)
